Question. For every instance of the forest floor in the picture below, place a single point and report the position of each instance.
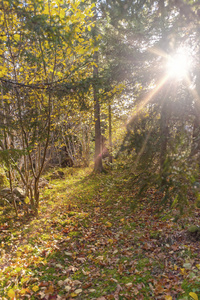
(89, 243)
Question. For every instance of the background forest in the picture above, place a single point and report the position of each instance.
(75, 74)
(113, 86)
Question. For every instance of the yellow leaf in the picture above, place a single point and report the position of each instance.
(27, 201)
(35, 288)
(175, 267)
(50, 290)
(183, 271)
(167, 297)
(193, 295)
(18, 254)
(89, 28)
(198, 266)
(24, 291)
(73, 295)
(110, 241)
(11, 294)
(62, 14)
(82, 51)
(46, 10)
(109, 224)
(17, 37)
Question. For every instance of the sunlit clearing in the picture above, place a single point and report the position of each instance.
(178, 65)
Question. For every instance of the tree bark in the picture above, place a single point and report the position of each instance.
(164, 134)
(110, 133)
(98, 167)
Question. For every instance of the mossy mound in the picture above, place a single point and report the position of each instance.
(3, 178)
(194, 232)
(193, 229)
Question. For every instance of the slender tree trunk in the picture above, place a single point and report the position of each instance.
(164, 133)
(110, 133)
(98, 167)
(5, 134)
(195, 147)
(98, 158)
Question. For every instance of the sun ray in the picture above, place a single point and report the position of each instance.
(158, 52)
(147, 99)
(141, 151)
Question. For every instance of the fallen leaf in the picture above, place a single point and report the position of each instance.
(92, 291)
(50, 290)
(193, 295)
(183, 271)
(108, 224)
(78, 291)
(198, 266)
(99, 257)
(35, 288)
(73, 295)
(151, 287)
(167, 297)
(67, 288)
(68, 253)
(24, 291)
(85, 272)
(117, 291)
(60, 282)
(128, 285)
(11, 294)
(187, 266)
(43, 284)
(76, 282)
(87, 285)
(159, 289)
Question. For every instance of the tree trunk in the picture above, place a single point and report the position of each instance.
(110, 133)
(164, 134)
(98, 158)
(195, 147)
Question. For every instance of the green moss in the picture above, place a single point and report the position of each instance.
(3, 179)
(193, 229)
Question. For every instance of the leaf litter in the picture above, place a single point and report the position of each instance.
(87, 243)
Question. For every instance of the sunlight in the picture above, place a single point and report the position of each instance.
(178, 65)
(147, 99)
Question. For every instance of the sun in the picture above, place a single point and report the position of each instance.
(178, 65)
